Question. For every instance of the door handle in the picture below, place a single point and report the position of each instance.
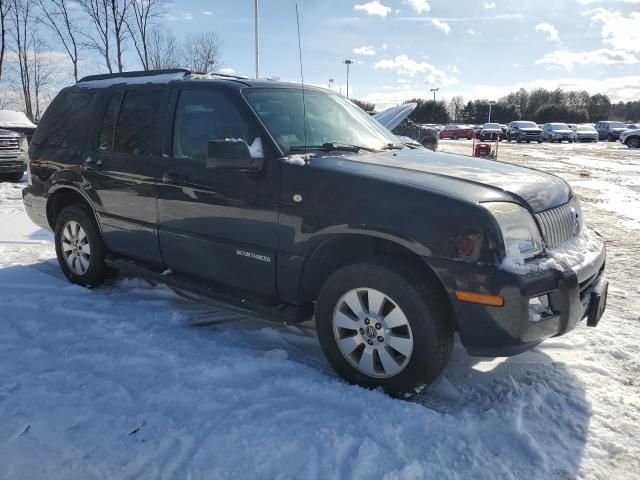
(174, 179)
(89, 164)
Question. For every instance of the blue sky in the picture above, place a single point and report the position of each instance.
(402, 48)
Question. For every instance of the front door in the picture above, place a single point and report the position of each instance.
(219, 224)
(121, 168)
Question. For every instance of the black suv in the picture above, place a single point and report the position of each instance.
(296, 204)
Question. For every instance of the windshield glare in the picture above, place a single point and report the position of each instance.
(587, 128)
(330, 118)
(560, 126)
(526, 125)
(491, 125)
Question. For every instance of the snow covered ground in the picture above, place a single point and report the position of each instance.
(131, 381)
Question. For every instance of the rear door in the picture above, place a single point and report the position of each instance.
(219, 224)
(121, 169)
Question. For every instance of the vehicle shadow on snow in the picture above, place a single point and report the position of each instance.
(528, 405)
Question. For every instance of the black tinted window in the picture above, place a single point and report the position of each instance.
(66, 121)
(108, 128)
(137, 122)
(203, 115)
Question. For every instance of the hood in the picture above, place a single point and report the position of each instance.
(11, 119)
(473, 179)
(620, 129)
(392, 117)
(563, 131)
(529, 129)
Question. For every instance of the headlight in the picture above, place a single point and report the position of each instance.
(519, 230)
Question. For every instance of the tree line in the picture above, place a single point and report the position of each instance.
(539, 105)
(31, 31)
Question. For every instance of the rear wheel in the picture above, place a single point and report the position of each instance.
(382, 326)
(455, 137)
(611, 138)
(11, 177)
(79, 247)
(633, 142)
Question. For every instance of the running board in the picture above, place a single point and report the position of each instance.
(218, 296)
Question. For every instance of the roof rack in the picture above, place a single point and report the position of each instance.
(142, 73)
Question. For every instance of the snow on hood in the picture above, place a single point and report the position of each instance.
(11, 119)
(392, 117)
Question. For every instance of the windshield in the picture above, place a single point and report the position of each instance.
(617, 125)
(526, 125)
(330, 119)
(559, 126)
(586, 128)
(492, 126)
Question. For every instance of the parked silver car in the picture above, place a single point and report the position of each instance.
(586, 133)
(557, 132)
(631, 138)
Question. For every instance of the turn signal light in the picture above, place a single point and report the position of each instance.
(481, 298)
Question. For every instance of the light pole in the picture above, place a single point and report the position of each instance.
(347, 63)
(434, 90)
(257, 33)
(490, 104)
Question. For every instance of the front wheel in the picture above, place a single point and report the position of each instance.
(633, 142)
(383, 326)
(611, 138)
(79, 247)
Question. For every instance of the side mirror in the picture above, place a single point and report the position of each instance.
(231, 153)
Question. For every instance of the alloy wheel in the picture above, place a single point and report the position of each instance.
(372, 332)
(76, 249)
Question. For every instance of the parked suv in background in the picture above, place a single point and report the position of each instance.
(524, 131)
(557, 132)
(455, 132)
(13, 156)
(490, 131)
(610, 130)
(586, 133)
(225, 187)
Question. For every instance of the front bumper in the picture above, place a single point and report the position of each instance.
(12, 164)
(489, 331)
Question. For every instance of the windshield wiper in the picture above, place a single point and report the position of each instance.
(333, 146)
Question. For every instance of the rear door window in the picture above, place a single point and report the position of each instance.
(65, 123)
(138, 122)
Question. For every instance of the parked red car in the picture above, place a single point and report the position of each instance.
(457, 131)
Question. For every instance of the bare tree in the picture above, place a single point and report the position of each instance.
(56, 16)
(41, 76)
(456, 104)
(98, 35)
(119, 12)
(162, 50)
(5, 7)
(201, 51)
(22, 30)
(144, 16)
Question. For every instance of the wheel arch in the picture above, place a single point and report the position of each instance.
(61, 197)
(345, 249)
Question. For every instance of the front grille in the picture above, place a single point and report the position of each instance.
(9, 143)
(561, 223)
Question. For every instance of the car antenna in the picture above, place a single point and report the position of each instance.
(304, 106)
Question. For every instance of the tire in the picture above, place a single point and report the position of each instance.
(633, 142)
(88, 268)
(518, 139)
(11, 177)
(610, 138)
(455, 137)
(409, 295)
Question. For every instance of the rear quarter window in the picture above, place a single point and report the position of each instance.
(67, 120)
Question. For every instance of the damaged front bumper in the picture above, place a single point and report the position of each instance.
(539, 304)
